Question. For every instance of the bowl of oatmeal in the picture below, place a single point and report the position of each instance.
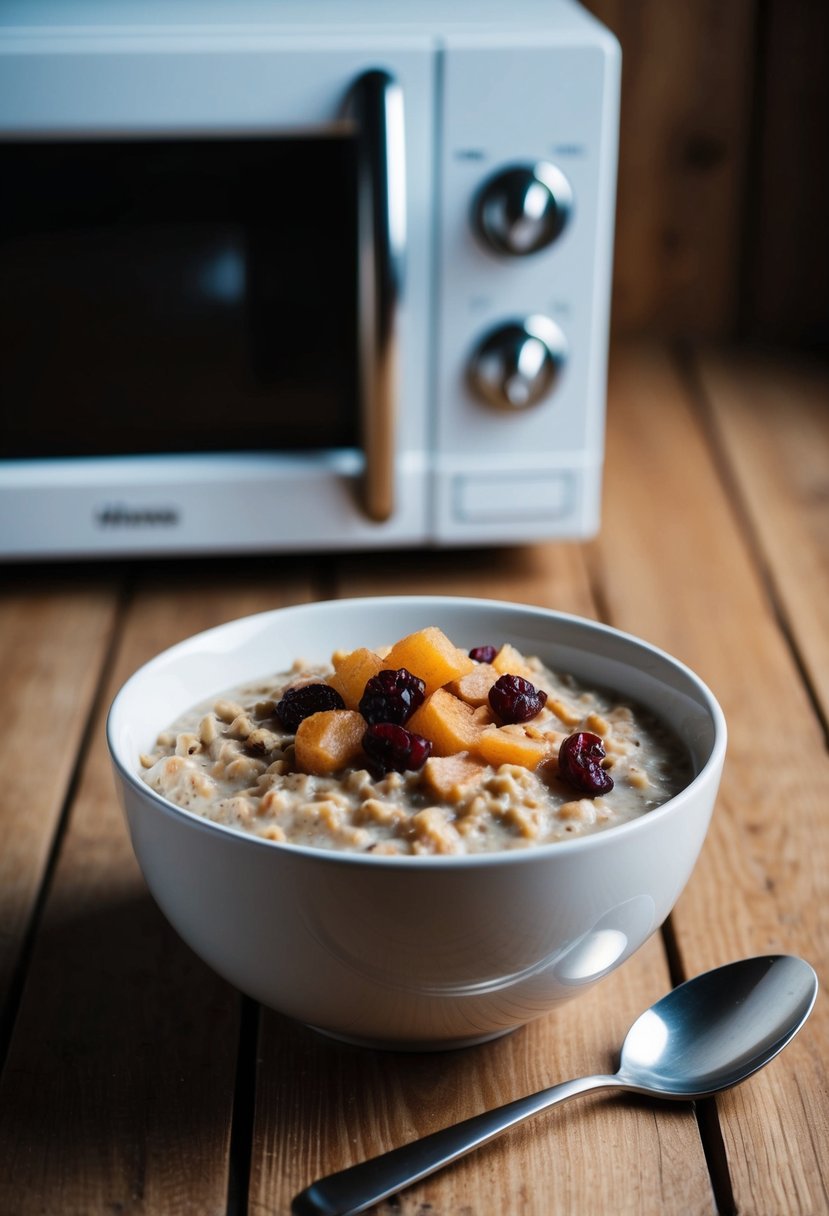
(415, 822)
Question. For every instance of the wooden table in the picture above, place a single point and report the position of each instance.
(135, 1081)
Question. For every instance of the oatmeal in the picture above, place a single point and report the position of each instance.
(418, 749)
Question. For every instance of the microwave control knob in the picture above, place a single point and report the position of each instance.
(518, 364)
(523, 208)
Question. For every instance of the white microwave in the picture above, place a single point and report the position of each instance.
(302, 274)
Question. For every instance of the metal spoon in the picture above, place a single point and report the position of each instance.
(706, 1035)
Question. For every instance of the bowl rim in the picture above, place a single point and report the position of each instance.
(502, 857)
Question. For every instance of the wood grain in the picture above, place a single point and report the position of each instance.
(118, 1088)
(687, 80)
(771, 419)
(787, 266)
(550, 576)
(322, 1105)
(762, 883)
(53, 642)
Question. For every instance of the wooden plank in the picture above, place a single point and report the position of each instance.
(54, 635)
(676, 570)
(787, 256)
(552, 577)
(322, 1105)
(118, 1088)
(771, 417)
(687, 77)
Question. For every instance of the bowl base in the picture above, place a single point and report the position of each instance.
(413, 1045)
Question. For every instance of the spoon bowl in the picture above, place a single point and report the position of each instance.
(714, 1031)
(707, 1035)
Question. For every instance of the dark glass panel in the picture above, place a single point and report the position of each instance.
(170, 296)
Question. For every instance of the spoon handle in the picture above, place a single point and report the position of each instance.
(354, 1189)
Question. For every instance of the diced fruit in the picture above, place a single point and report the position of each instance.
(352, 672)
(514, 699)
(474, 687)
(579, 764)
(392, 696)
(564, 712)
(484, 716)
(447, 722)
(299, 703)
(392, 748)
(329, 741)
(508, 745)
(451, 777)
(509, 661)
(430, 655)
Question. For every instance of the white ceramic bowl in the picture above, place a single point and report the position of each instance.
(413, 952)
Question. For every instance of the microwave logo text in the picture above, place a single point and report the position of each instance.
(121, 515)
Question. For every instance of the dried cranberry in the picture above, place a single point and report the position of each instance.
(391, 747)
(514, 699)
(392, 696)
(299, 703)
(483, 654)
(579, 764)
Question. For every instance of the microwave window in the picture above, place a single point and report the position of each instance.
(177, 296)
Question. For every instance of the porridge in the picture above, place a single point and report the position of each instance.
(420, 748)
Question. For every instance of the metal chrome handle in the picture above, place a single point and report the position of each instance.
(360, 1186)
(375, 104)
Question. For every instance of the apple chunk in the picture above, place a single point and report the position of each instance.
(329, 741)
(448, 723)
(352, 672)
(430, 655)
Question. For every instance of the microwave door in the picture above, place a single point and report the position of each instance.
(160, 295)
(375, 105)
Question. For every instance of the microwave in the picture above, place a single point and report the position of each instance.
(302, 274)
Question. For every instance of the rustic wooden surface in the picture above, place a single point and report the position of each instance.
(722, 191)
(135, 1081)
(687, 115)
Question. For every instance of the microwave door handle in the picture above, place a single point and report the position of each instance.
(375, 105)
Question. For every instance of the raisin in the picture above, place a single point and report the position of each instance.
(389, 747)
(579, 764)
(392, 696)
(515, 699)
(299, 703)
(483, 654)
